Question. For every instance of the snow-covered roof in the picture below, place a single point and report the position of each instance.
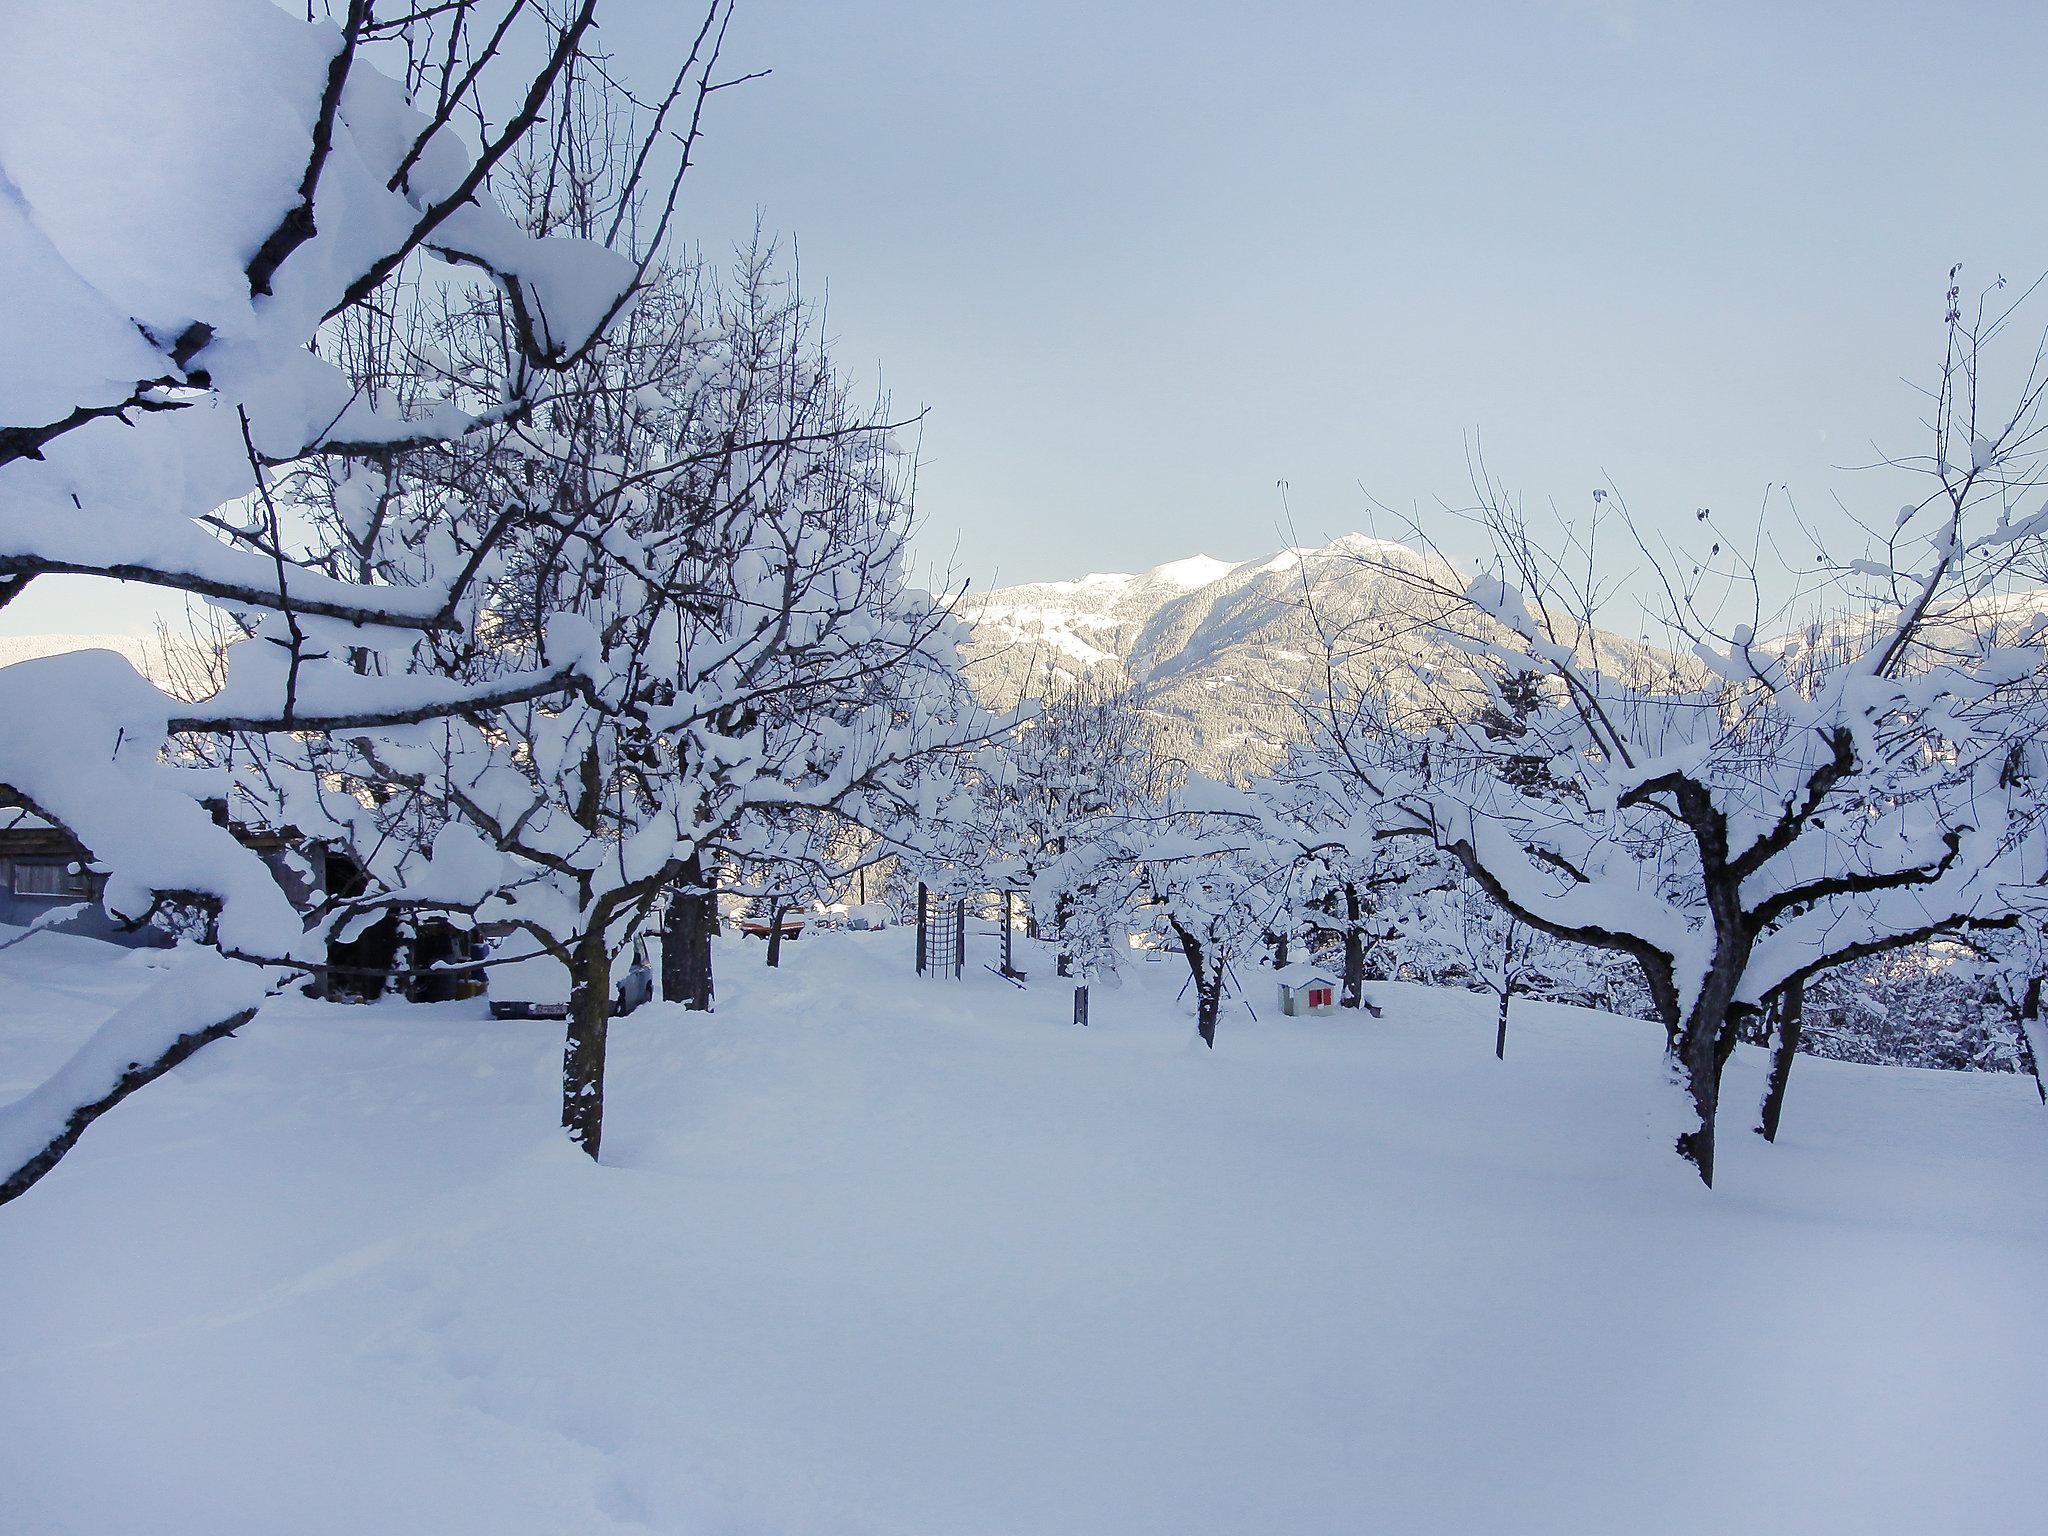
(1302, 974)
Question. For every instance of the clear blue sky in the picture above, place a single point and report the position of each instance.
(1143, 261)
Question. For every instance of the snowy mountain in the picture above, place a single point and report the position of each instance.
(1216, 650)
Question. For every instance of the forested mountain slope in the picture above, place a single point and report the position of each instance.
(1221, 653)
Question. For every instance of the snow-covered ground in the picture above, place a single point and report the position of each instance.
(869, 1254)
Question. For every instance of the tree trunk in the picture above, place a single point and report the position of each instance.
(686, 939)
(590, 1013)
(1279, 951)
(924, 927)
(2033, 1037)
(1354, 948)
(1208, 990)
(1700, 1052)
(1208, 1004)
(1500, 1033)
(1703, 1087)
(1790, 1008)
(775, 935)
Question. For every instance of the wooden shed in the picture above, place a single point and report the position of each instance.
(1306, 989)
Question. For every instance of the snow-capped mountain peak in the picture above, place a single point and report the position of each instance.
(1218, 653)
(1195, 571)
(1204, 640)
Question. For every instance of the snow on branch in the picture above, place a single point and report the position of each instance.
(204, 1000)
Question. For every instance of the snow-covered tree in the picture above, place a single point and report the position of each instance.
(1456, 933)
(2010, 964)
(793, 861)
(169, 271)
(1211, 880)
(1792, 805)
(709, 531)
(1355, 877)
(1052, 795)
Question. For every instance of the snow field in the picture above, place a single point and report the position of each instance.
(875, 1254)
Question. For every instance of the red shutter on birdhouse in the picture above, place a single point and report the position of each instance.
(1319, 997)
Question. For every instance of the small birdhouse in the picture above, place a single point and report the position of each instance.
(1306, 989)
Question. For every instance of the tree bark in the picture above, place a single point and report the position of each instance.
(1208, 990)
(1700, 1051)
(775, 935)
(590, 1013)
(1703, 1086)
(1500, 1033)
(1208, 1004)
(1790, 1008)
(686, 939)
(1354, 948)
(2033, 1038)
(1704, 1040)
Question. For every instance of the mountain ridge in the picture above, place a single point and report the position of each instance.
(1215, 650)
(1223, 655)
